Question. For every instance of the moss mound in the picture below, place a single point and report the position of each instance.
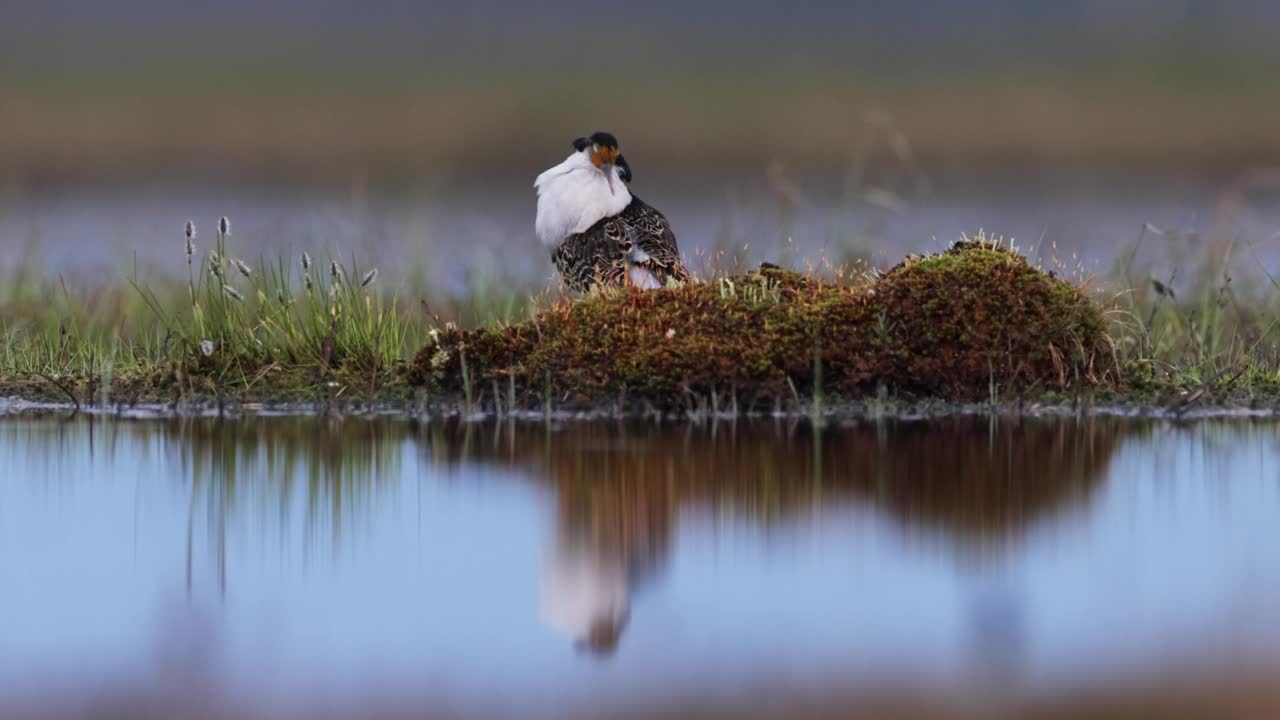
(980, 314)
(950, 325)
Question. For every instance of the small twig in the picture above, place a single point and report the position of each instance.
(70, 395)
(511, 392)
(466, 378)
(326, 354)
(1182, 405)
(261, 374)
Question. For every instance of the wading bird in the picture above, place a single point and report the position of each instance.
(597, 231)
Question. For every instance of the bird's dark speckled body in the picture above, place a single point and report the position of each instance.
(636, 242)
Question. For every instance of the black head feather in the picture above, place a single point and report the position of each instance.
(604, 139)
(621, 162)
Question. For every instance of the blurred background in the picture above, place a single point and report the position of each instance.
(409, 132)
(1066, 567)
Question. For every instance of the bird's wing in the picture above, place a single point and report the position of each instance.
(648, 238)
(601, 254)
(595, 255)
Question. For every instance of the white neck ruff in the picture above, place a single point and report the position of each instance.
(573, 196)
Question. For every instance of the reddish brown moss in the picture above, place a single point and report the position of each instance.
(949, 325)
(980, 313)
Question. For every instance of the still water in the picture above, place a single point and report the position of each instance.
(297, 566)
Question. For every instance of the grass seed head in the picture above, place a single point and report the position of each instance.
(215, 265)
(224, 226)
(369, 278)
(244, 269)
(233, 293)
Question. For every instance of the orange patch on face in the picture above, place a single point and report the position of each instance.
(601, 155)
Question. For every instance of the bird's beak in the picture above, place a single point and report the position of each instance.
(608, 174)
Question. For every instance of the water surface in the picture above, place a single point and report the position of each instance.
(302, 566)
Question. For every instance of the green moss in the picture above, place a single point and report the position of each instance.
(173, 384)
(962, 324)
(980, 315)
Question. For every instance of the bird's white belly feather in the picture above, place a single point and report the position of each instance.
(643, 278)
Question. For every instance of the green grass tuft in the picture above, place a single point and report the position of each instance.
(978, 322)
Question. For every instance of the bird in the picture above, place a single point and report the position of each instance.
(598, 232)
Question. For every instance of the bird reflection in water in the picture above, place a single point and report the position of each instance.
(584, 595)
(618, 494)
(612, 535)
